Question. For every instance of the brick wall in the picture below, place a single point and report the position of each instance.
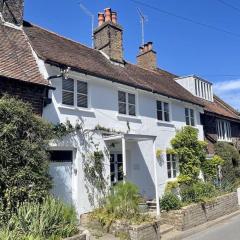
(27, 92)
(108, 38)
(197, 214)
(147, 60)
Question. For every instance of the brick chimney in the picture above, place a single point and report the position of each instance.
(147, 57)
(12, 11)
(108, 36)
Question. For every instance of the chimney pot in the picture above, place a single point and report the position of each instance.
(101, 19)
(108, 14)
(114, 17)
(147, 57)
(145, 47)
(150, 46)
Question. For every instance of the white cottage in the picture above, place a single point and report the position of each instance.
(143, 104)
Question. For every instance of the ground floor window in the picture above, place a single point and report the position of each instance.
(61, 156)
(172, 166)
(116, 167)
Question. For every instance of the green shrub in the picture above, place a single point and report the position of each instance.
(231, 157)
(49, 220)
(123, 200)
(170, 201)
(197, 192)
(24, 174)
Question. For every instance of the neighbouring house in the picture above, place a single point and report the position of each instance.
(19, 72)
(220, 121)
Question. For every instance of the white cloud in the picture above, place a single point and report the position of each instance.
(227, 85)
(229, 91)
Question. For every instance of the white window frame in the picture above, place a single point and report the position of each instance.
(203, 89)
(171, 166)
(169, 107)
(127, 91)
(75, 105)
(189, 115)
(224, 130)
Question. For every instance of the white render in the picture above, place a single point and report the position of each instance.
(103, 110)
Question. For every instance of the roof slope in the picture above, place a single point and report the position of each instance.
(56, 49)
(16, 57)
(221, 108)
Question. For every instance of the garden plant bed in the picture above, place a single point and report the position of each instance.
(196, 214)
(143, 231)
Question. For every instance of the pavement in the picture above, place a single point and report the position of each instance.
(224, 228)
(229, 229)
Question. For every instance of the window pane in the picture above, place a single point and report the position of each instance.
(169, 174)
(112, 168)
(68, 98)
(82, 101)
(131, 109)
(121, 96)
(159, 115)
(131, 98)
(82, 87)
(174, 173)
(169, 165)
(122, 108)
(68, 84)
(120, 167)
(61, 156)
(159, 106)
(166, 116)
(186, 112)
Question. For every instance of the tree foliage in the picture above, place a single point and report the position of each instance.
(23, 158)
(191, 153)
(231, 157)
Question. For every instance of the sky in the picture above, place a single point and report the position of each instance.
(189, 36)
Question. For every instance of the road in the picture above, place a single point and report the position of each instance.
(227, 230)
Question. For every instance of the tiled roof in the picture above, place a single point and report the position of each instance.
(220, 108)
(59, 50)
(16, 57)
(56, 49)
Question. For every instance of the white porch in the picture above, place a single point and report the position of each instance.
(136, 154)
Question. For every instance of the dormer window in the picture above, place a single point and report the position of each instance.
(197, 86)
(203, 89)
(224, 130)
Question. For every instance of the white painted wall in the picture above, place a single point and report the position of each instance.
(103, 110)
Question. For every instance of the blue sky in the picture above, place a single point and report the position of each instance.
(182, 47)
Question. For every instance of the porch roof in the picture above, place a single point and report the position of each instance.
(128, 136)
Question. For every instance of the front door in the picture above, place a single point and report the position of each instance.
(116, 167)
(61, 173)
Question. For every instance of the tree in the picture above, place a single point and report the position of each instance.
(191, 153)
(23, 157)
(231, 157)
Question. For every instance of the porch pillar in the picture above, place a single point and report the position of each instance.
(156, 178)
(124, 159)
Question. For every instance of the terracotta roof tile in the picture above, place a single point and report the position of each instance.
(221, 108)
(16, 57)
(56, 49)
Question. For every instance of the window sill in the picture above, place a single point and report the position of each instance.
(225, 140)
(129, 118)
(164, 123)
(62, 106)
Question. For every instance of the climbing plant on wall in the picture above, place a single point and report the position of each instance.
(191, 153)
